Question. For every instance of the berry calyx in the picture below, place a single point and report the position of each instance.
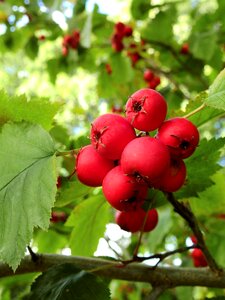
(133, 221)
(91, 167)
(146, 109)
(145, 158)
(173, 178)
(110, 133)
(122, 191)
(180, 135)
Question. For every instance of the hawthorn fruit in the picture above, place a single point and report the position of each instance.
(122, 191)
(146, 159)
(146, 109)
(180, 135)
(91, 167)
(110, 133)
(133, 221)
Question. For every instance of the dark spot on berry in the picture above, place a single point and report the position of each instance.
(137, 106)
(184, 145)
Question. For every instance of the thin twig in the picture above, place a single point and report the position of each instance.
(194, 111)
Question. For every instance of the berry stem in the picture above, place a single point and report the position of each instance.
(195, 111)
(65, 153)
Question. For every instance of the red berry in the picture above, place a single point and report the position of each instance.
(133, 221)
(173, 178)
(65, 51)
(180, 135)
(184, 49)
(128, 31)
(146, 109)
(148, 75)
(193, 239)
(110, 133)
(117, 109)
(59, 182)
(42, 37)
(119, 28)
(154, 82)
(117, 43)
(58, 216)
(108, 69)
(91, 167)
(122, 191)
(198, 257)
(146, 158)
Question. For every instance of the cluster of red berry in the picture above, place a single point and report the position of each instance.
(126, 163)
(122, 31)
(70, 41)
(152, 80)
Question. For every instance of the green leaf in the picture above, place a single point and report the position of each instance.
(71, 191)
(163, 21)
(31, 48)
(203, 44)
(163, 227)
(203, 205)
(19, 108)
(140, 9)
(203, 116)
(85, 37)
(89, 219)
(216, 96)
(201, 166)
(27, 187)
(50, 241)
(66, 282)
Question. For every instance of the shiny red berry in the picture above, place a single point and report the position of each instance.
(148, 75)
(133, 221)
(180, 135)
(110, 133)
(198, 258)
(146, 109)
(122, 191)
(145, 158)
(91, 167)
(173, 178)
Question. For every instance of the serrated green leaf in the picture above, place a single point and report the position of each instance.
(201, 166)
(212, 200)
(66, 282)
(216, 96)
(27, 187)
(18, 108)
(89, 219)
(203, 116)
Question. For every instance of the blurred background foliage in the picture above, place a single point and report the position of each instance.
(94, 78)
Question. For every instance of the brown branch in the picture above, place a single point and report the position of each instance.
(185, 212)
(155, 293)
(168, 277)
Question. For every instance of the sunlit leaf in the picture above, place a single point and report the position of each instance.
(27, 187)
